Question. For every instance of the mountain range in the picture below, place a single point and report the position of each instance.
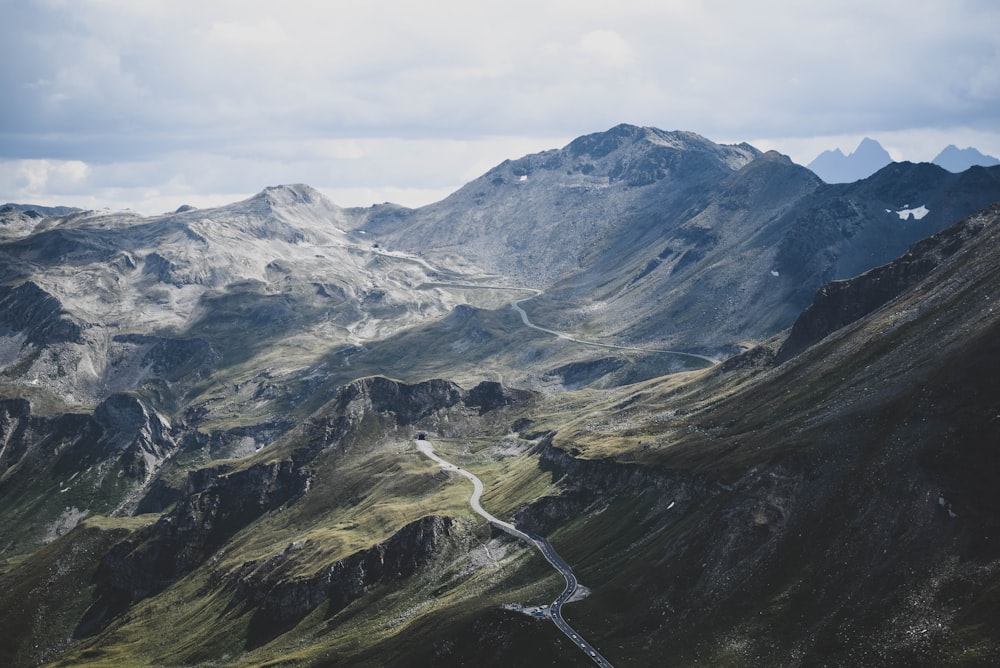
(755, 412)
(834, 167)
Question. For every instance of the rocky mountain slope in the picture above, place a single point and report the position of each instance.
(207, 420)
(123, 337)
(662, 239)
(538, 218)
(833, 509)
(98, 303)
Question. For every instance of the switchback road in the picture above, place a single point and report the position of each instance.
(562, 335)
(543, 546)
(516, 305)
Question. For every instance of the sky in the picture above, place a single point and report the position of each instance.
(153, 104)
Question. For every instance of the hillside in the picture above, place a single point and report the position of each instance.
(833, 508)
(659, 239)
(208, 420)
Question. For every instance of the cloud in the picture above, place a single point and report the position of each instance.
(41, 176)
(352, 172)
(285, 93)
(263, 33)
(607, 48)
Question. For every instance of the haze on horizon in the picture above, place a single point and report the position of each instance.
(156, 104)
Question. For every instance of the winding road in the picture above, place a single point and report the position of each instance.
(516, 305)
(543, 546)
(562, 335)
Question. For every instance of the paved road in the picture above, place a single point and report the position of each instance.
(543, 546)
(562, 335)
(516, 305)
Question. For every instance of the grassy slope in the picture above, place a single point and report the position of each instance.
(356, 500)
(857, 432)
(46, 594)
(828, 475)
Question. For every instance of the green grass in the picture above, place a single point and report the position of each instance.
(46, 594)
(357, 500)
(509, 482)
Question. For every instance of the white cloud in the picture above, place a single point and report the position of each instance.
(608, 48)
(320, 90)
(357, 172)
(264, 33)
(38, 177)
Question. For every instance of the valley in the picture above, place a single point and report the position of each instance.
(554, 609)
(754, 412)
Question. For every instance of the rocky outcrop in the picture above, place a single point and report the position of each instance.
(377, 398)
(15, 427)
(160, 268)
(490, 395)
(136, 431)
(585, 483)
(279, 602)
(30, 309)
(219, 502)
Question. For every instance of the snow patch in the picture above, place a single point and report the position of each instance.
(775, 273)
(523, 178)
(917, 213)
(943, 502)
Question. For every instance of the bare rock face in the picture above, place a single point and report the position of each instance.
(379, 398)
(280, 602)
(15, 430)
(89, 463)
(218, 504)
(219, 500)
(490, 395)
(37, 314)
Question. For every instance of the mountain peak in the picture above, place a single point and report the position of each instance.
(291, 195)
(956, 159)
(647, 141)
(835, 167)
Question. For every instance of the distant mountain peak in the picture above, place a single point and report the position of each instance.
(291, 194)
(601, 144)
(834, 167)
(956, 159)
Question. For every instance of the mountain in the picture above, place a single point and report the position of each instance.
(208, 420)
(537, 218)
(666, 240)
(955, 159)
(123, 340)
(835, 167)
(834, 508)
(44, 210)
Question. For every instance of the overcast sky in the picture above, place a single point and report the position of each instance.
(156, 103)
